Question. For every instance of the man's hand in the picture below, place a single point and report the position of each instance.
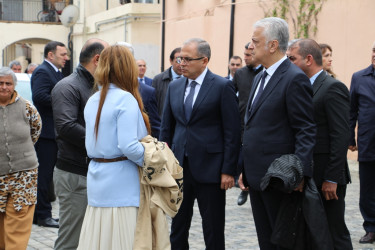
(329, 190)
(353, 148)
(240, 183)
(300, 186)
(227, 181)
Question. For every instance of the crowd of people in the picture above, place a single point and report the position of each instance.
(279, 128)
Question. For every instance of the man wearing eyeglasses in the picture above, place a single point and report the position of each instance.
(201, 123)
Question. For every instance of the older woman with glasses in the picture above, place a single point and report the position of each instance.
(20, 128)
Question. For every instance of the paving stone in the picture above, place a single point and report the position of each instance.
(240, 231)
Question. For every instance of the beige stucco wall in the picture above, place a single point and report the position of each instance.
(11, 32)
(344, 24)
(138, 24)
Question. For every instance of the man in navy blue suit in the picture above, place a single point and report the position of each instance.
(142, 67)
(362, 96)
(278, 121)
(201, 123)
(43, 80)
(148, 95)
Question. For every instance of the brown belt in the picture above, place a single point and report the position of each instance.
(122, 158)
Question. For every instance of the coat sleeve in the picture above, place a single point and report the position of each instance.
(231, 129)
(65, 106)
(152, 111)
(41, 88)
(337, 106)
(353, 109)
(168, 121)
(301, 118)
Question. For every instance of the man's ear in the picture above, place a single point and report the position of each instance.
(96, 59)
(309, 60)
(50, 55)
(273, 46)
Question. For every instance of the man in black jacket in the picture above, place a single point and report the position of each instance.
(69, 98)
(162, 80)
(331, 113)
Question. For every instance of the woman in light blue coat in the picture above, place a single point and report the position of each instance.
(115, 123)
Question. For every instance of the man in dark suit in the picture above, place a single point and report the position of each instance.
(362, 94)
(149, 101)
(331, 113)
(278, 121)
(235, 62)
(142, 67)
(201, 123)
(43, 80)
(242, 81)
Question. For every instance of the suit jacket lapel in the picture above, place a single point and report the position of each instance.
(319, 82)
(272, 83)
(206, 85)
(256, 81)
(55, 74)
(180, 96)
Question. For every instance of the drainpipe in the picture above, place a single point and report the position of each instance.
(162, 37)
(231, 31)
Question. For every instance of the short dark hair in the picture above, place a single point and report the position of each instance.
(176, 50)
(309, 47)
(235, 58)
(247, 45)
(51, 47)
(89, 52)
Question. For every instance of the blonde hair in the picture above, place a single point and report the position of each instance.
(117, 66)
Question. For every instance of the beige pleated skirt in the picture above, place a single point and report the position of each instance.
(108, 228)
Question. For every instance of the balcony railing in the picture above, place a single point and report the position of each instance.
(31, 10)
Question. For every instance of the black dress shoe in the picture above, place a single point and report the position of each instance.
(242, 198)
(368, 238)
(48, 222)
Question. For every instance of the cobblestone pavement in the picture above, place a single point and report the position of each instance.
(240, 230)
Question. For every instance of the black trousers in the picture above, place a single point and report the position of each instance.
(46, 151)
(335, 211)
(265, 206)
(211, 203)
(367, 194)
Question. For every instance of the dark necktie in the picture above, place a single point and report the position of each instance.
(60, 75)
(260, 91)
(142, 80)
(189, 100)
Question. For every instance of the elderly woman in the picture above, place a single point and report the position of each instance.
(20, 128)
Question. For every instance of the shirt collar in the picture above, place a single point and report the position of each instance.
(230, 77)
(271, 70)
(174, 74)
(53, 66)
(313, 78)
(257, 67)
(200, 78)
